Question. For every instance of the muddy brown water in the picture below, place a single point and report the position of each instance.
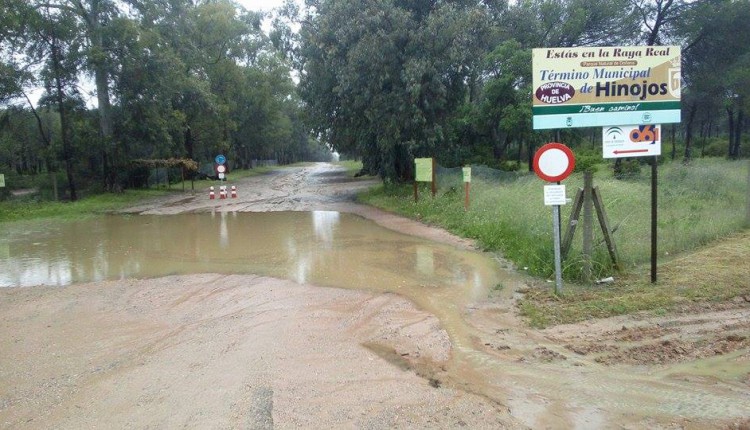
(324, 248)
(335, 249)
(321, 247)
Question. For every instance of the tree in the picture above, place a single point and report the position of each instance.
(385, 86)
(717, 63)
(57, 31)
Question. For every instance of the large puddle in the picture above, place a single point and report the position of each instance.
(322, 247)
(343, 250)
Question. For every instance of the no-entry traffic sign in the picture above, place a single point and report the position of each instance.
(554, 162)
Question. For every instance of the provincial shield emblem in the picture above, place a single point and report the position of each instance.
(675, 81)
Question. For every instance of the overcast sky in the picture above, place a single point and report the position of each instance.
(264, 5)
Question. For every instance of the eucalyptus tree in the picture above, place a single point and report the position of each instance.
(716, 64)
(91, 18)
(555, 23)
(41, 46)
(54, 43)
(386, 85)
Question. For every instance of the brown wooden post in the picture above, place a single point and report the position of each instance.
(416, 191)
(588, 230)
(466, 199)
(747, 214)
(606, 230)
(572, 223)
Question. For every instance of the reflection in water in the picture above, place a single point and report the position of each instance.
(307, 250)
(322, 247)
(324, 224)
(223, 231)
(425, 260)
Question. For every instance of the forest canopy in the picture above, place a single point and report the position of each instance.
(383, 81)
(391, 80)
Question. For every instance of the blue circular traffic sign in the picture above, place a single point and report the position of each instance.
(220, 159)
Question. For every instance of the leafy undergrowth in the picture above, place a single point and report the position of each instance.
(714, 275)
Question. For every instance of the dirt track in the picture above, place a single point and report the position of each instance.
(215, 351)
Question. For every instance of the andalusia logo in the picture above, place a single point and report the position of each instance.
(614, 135)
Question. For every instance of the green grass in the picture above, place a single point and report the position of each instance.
(31, 208)
(714, 274)
(697, 205)
(352, 167)
(36, 207)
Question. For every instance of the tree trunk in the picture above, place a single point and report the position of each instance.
(730, 119)
(689, 132)
(98, 61)
(189, 142)
(738, 132)
(498, 149)
(67, 147)
(531, 146)
(674, 143)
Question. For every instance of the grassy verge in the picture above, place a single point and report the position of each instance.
(352, 167)
(35, 207)
(715, 274)
(30, 208)
(698, 205)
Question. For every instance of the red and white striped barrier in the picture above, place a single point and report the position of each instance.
(223, 192)
(211, 194)
(234, 192)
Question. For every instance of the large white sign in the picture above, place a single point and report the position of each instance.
(603, 86)
(631, 141)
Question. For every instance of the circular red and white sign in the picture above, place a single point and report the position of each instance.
(221, 168)
(554, 162)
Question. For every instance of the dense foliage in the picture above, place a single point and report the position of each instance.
(172, 79)
(390, 80)
(381, 80)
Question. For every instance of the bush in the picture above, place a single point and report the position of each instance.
(627, 168)
(716, 147)
(587, 162)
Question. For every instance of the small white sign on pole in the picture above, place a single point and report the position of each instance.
(554, 195)
(631, 141)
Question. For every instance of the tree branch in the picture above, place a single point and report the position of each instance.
(39, 124)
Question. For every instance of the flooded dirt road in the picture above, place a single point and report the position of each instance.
(305, 315)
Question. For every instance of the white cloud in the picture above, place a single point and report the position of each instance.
(260, 5)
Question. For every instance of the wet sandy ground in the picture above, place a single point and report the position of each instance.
(214, 351)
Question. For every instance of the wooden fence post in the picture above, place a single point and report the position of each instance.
(588, 227)
(606, 230)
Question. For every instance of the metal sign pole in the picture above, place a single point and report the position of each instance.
(654, 168)
(558, 258)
